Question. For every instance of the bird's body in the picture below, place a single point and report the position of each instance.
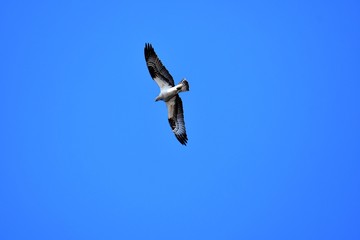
(169, 92)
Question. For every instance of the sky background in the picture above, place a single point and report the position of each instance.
(272, 117)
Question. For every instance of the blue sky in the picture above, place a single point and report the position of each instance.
(272, 118)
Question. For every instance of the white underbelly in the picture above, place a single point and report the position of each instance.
(169, 93)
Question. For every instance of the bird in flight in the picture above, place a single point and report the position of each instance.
(169, 92)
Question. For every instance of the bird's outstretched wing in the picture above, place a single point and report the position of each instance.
(176, 118)
(157, 70)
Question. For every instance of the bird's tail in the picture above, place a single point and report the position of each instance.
(184, 85)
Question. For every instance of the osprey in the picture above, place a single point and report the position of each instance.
(168, 93)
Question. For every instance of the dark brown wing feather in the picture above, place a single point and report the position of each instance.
(176, 119)
(157, 70)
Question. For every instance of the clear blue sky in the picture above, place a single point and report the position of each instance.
(272, 117)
